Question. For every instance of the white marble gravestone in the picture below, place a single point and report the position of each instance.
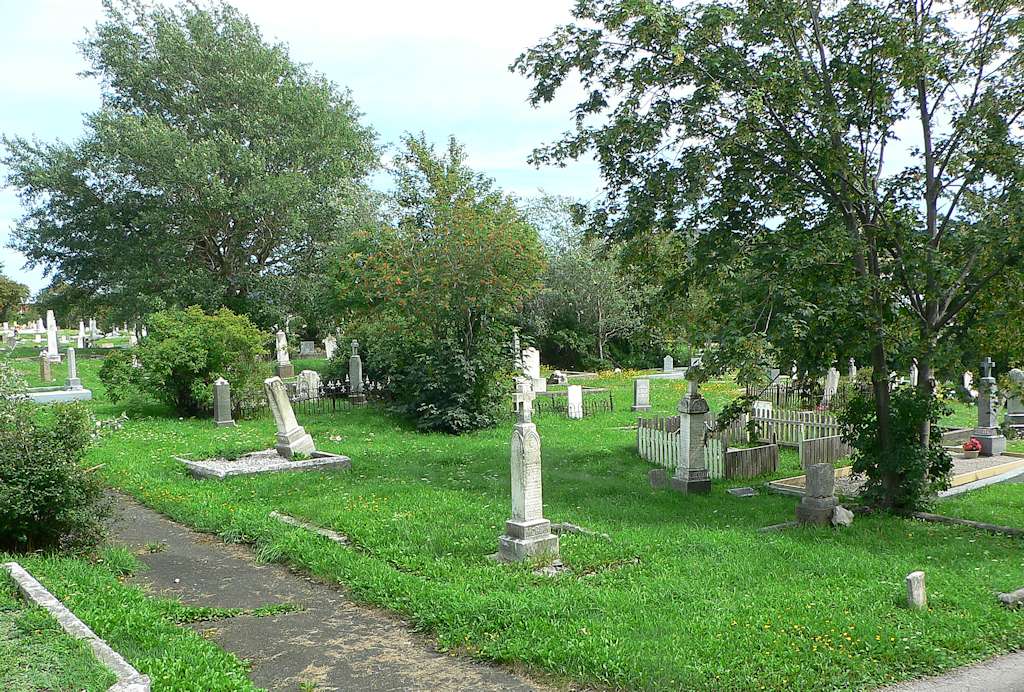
(80, 339)
(691, 474)
(642, 394)
(574, 395)
(307, 349)
(292, 438)
(668, 364)
(51, 338)
(531, 369)
(831, 386)
(73, 381)
(330, 346)
(852, 374)
(284, 362)
(527, 533)
(308, 384)
(914, 373)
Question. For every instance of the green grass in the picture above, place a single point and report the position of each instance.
(1001, 504)
(685, 594)
(38, 655)
(146, 631)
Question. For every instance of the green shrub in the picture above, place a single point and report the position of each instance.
(909, 476)
(47, 500)
(119, 375)
(184, 353)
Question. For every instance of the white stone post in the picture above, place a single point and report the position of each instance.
(692, 473)
(917, 596)
(284, 362)
(527, 533)
(574, 396)
(73, 382)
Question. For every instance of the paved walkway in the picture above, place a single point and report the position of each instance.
(1000, 674)
(333, 644)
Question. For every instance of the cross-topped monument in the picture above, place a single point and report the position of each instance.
(993, 442)
(691, 474)
(527, 533)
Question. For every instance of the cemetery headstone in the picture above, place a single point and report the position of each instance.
(1014, 401)
(527, 533)
(668, 364)
(658, 478)
(308, 384)
(531, 369)
(917, 597)
(292, 438)
(45, 370)
(73, 381)
(330, 346)
(819, 501)
(94, 333)
(558, 377)
(80, 339)
(575, 402)
(222, 404)
(691, 474)
(307, 349)
(642, 394)
(132, 339)
(284, 362)
(993, 442)
(853, 369)
(356, 395)
(831, 386)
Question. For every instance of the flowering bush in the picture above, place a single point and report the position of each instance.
(972, 445)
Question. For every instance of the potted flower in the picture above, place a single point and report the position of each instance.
(971, 448)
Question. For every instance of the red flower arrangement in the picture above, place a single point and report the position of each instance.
(972, 445)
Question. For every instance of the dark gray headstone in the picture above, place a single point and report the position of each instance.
(659, 478)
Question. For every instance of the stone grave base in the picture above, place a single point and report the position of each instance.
(530, 540)
(54, 395)
(266, 461)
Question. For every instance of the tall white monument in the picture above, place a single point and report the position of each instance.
(527, 533)
(691, 474)
(52, 352)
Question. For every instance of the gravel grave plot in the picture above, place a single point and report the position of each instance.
(264, 461)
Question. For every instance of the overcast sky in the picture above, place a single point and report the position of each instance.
(440, 66)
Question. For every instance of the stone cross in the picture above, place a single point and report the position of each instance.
(73, 382)
(986, 367)
(222, 404)
(527, 533)
(355, 376)
(292, 438)
(574, 407)
(642, 394)
(691, 474)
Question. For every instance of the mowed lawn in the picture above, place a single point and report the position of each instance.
(684, 593)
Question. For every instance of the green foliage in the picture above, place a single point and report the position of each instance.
(12, 296)
(215, 156)
(439, 283)
(47, 499)
(907, 476)
(185, 352)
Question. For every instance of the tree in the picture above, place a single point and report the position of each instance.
(776, 136)
(12, 296)
(587, 300)
(437, 285)
(217, 171)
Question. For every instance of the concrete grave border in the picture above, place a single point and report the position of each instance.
(128, 678)
(219, 469)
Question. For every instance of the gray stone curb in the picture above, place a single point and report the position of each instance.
(326, 533)
(220, 469)
(128, 679)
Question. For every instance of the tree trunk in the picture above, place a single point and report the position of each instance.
(880, 385)
(925, 383)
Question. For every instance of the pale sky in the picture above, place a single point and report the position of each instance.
(439, 66)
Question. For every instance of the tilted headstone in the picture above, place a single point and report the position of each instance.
(307, 349)
(330, 346)
(1014, 401)
(45, 370)
(642, 394)
(691, 474)
(284, 362)
(574, 409)
(222, 404)
(527, 533)
(292, 438)
(355, 376)
(73, 382)
(819, 501)
(993, 442)
(668, 364)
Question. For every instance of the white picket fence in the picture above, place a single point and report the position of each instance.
(658, 442)
(789, 428)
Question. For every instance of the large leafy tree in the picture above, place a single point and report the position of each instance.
(846, 176)
(437, 284)
(12, 296)
(217, 171)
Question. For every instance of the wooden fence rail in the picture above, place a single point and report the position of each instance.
(823, 450)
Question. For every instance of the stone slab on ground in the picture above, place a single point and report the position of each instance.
(333, 644)
(265, 461)
(999, 674)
